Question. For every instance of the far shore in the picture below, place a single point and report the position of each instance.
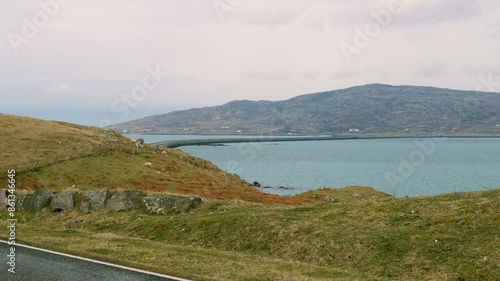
(179, 143)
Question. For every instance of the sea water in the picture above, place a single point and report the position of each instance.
(402, 167)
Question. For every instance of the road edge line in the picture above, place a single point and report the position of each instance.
(96, 261)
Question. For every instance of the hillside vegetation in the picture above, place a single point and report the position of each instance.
(57, 155)
(447, 237)
(371, 109)
(238, 232)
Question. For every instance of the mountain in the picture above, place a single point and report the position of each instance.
(373, 109)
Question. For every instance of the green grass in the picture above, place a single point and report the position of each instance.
(443, 237)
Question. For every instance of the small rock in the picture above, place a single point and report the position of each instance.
(328, 198)
(460, 222)
(63, 202)
(357, 195)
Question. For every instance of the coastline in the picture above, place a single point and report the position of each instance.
(198, 142)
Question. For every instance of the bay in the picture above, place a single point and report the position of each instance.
(401, 167)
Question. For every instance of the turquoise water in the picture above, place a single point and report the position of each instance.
(404, 167)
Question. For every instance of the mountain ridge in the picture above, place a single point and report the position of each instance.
(371, 108)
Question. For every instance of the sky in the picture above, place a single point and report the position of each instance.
(97, 62)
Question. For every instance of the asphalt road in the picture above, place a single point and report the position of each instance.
(36, 265)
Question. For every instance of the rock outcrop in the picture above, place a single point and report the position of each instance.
(37, 201)
(93, 201)
(126, 200)
(63, 202)
(169, 204)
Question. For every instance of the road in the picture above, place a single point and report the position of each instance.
(34, 264)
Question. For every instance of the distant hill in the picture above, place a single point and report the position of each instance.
(372, 109)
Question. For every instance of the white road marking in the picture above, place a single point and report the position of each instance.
(98, 262)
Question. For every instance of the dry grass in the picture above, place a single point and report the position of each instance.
(447, 237)
(30, 143)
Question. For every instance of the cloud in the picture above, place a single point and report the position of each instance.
(59, 89)
(493, 29)
(266, 49)
(438, 69)
(481, 70)
(343, 74)
(40, 79)
(312, 75)
(416, 12)
(265, 75)
(275, 17)
(416, 35)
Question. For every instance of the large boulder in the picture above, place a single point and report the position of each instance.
(63, 202)
(3, 199)
(38, 200)
(93, 201)
(126, 200)
(169, 204)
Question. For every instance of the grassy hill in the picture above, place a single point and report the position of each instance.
(372, 109)
(239, 233)
(56, 155)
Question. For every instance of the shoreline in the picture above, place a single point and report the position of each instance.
(199, 142)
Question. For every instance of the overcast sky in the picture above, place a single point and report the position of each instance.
(97, 62)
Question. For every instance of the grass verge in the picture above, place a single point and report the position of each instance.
(447, 237)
